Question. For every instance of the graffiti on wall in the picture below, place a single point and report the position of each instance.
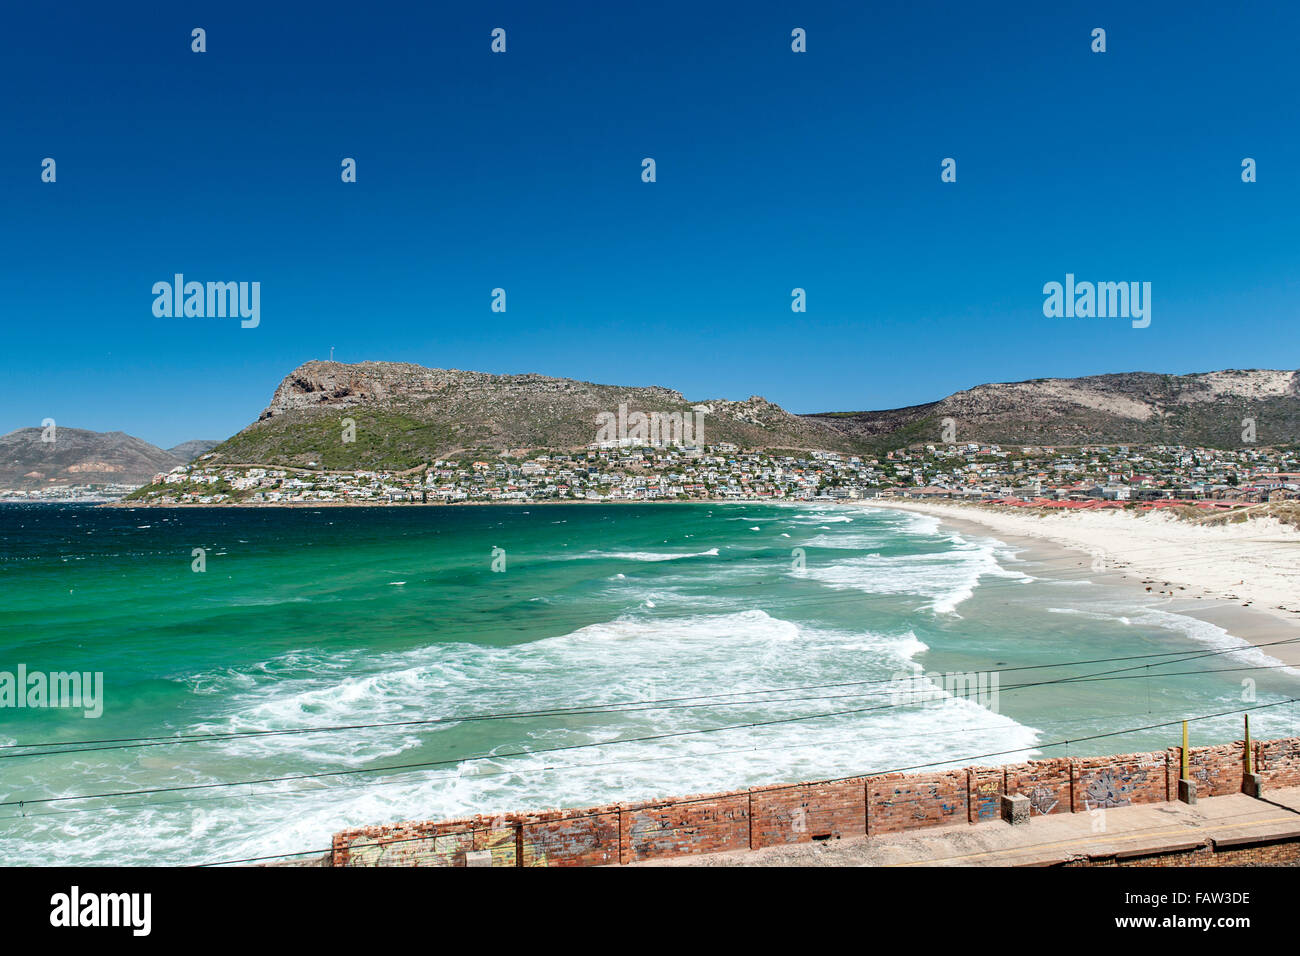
(988, 802)
(921, 800)
(1110, 789)
(1042, 800)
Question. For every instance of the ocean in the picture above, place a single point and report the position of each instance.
(432, 662)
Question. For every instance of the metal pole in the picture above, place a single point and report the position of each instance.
(1184, 761)
(1250, 757)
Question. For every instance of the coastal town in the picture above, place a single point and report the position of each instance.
(83, 493)
(1119, 474)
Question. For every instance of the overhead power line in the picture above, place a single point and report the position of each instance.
(670, 703)
(456, 760)
(793, 786)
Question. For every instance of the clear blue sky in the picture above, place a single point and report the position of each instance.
(775, 170)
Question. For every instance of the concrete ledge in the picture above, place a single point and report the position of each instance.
(1160, 850)
(1283, 836)
(1187, 791)
(1247, 831)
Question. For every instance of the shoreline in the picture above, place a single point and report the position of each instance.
(406, 504)
(1143, 555)
(1159, 560)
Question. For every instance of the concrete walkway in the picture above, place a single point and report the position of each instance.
(1057, 838)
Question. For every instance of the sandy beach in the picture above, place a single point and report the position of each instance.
(1242, 577)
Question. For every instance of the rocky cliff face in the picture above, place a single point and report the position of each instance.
(333, 384)
(406, 415)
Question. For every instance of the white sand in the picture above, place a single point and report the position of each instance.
(1210, 570)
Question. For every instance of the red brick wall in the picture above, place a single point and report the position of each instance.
(985, 785)
(899, 801)
(499, 840)
(569, 837)
(766, 816)
(406, 844)
(1047, 784)
(1216, 770)
(664, 828)
(1120, 781)
(1279, 762)
(807, 812)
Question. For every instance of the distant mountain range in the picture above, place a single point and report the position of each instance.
(403, 416)
(80, 457)
(406, 415)
(1207, 408)
(187, 451)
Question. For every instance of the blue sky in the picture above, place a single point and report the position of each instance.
(522, 170)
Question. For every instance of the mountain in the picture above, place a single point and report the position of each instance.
(403, 416)
(78, 457)
(406, 415)
(187, 451)
(1206, 408)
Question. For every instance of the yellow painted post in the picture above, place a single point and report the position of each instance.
(1250, 756)
(1183, 775)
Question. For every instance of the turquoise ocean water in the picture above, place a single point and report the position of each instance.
(651, 650)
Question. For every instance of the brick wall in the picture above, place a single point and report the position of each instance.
(900, 801)
(1278, 761)
(706, 824)
(408, 844)
(1047, 783)
(985, 785)
(810, 811)
(1120, 781)
(1216, 770)
(828, 810)
(568, 837)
